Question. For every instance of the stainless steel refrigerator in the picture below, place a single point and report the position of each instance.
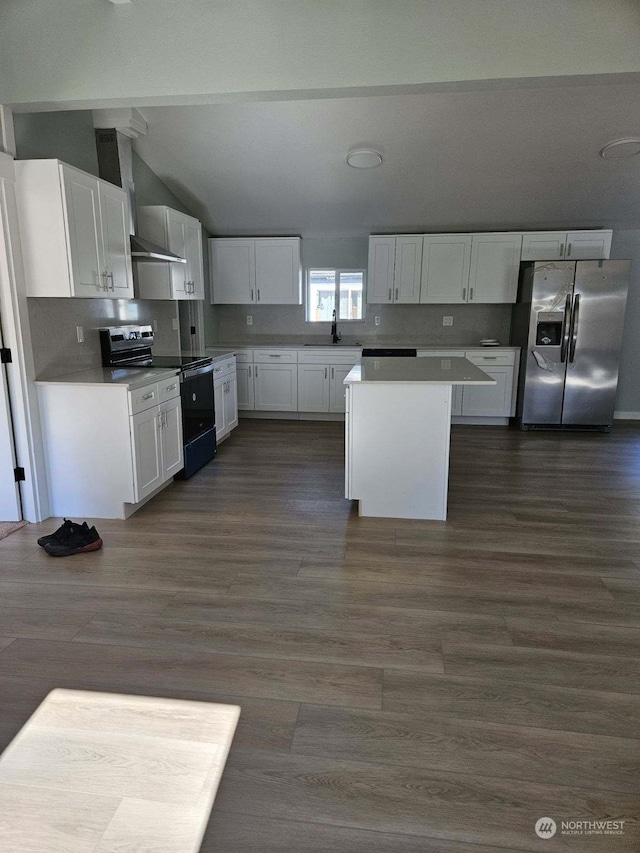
(568, 321)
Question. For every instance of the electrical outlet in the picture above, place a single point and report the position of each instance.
(376, 320)
(447, 321)
(80, 334)
(249, 320)
(175, 324)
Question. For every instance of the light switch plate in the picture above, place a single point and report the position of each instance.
(80, 334)
(249, 320)
(447, 321)
(376, 320)
(175, 324)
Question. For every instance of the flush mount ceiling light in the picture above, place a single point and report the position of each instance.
(364, 158)
(621, 148)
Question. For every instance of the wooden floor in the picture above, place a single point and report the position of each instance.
(406, 686)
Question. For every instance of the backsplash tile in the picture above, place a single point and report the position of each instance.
(53, 329)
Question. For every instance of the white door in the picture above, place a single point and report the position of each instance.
(9, 491)
(490, 401)
(233, 271)
(407, 269)
(382, 252)
(172, 447)
(114, 215)
(244, 377)
(585, 245)
(230, 403)
(543, 245)
(193, 247)
(313, 388)
(446, 259)
(495, 263)
(88, 273)
(277, 267)
(337, 388)
(276, 387)
(218, 407)
(147, 452)
(177, 243)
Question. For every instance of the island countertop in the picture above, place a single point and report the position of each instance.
(429, 370)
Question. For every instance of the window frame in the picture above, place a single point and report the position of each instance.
(337, 271)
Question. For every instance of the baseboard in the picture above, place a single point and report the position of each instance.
(479, 421)
(293, 416)
(626, 416)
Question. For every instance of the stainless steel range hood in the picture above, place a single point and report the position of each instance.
(115, 164)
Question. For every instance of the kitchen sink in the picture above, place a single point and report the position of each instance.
(331, 346)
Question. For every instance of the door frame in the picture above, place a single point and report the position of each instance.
(17, 337)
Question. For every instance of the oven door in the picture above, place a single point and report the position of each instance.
(198, 413)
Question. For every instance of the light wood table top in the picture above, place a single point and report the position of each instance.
(105, 772)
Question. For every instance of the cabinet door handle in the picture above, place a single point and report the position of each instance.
(258, 294)
(159, 420)
(561, 252)
(325, 372)
(333, 372)
(170, 387)
(148, 396)
(470, 294)
(105, 285)
(252, 294)
(110, 278)
(464, 294)
(275, 356)
(389, 294)
(396, 294)
(569, 250)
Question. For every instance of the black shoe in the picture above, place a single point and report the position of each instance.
(62, 532)
(78, 541)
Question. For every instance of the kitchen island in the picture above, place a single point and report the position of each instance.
(398, 424)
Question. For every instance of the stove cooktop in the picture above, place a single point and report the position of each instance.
(183, 362)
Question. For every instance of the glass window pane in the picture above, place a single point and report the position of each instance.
(322, 295)
(351, 295)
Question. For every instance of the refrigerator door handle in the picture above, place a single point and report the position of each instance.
(566, 326)
(575, 316)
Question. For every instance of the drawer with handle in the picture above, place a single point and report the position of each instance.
(492, 358)
(275, 356)
(168, 389)
(144, 398)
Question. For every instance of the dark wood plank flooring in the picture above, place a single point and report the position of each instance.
(406, 686)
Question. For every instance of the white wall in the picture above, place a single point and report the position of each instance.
(626, 244)
(79, 52)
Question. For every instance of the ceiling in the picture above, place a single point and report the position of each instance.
(496, 159)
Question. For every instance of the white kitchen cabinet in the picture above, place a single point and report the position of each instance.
(567, 245)
(74, 230)
(394, 271)
(492, 401)
(382, 252)
(446, 261)
(225, 396)
(337, 388)
(495, 263)
(180, 234)
(244, 379)
(276, 387)
(147, 451)
(407, 269)
(313, 388)
(140, 437)
(255, 271)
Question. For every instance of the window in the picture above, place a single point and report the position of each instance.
(342, 290)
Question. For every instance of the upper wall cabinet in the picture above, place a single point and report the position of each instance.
(75, 232)
(180, 234)
(256, 270)
(495, 263)
(394, 269)
(446, 260)
(568, 245)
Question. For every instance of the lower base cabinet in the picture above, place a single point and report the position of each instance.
(489, 402)
(275, 387)
(108, 448)
(244, 387)
(225, 396)
(321, 387)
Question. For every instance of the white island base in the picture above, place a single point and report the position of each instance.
(398, 424)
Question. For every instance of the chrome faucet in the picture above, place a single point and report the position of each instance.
(335, 334)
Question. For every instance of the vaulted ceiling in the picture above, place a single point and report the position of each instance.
(498, 158)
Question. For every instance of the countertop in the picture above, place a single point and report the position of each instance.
(229, 349)
(427, 370)
(130, 378)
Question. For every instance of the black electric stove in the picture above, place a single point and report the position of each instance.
(130, 347)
